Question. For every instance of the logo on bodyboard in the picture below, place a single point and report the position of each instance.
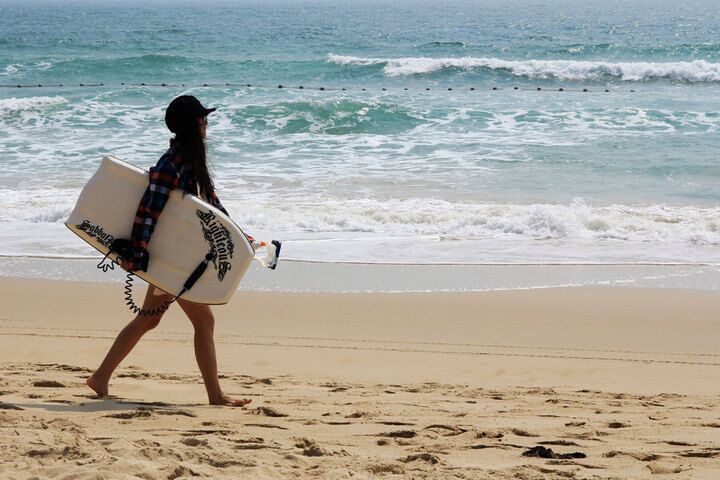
(220, 241)
(96, 232)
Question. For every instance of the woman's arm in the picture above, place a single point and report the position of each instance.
(163, 180)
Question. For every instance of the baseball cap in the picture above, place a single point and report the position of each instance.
(182, 109)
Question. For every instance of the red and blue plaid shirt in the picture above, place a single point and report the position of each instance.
(170, 172)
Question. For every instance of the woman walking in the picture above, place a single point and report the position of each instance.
(183, 166)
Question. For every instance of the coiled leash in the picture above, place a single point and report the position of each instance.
(122, 248)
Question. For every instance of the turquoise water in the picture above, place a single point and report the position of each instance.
(413, 173)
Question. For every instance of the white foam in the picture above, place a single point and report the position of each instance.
(659, 224)
(295, 212)
(418, 230)
(10, 69)
(29, 103)
(695, 71)
(42, 205)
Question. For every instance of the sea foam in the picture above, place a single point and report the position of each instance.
(656, 224)
(29, 103)
(695, 71)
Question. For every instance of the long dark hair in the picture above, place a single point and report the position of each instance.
(192, 147)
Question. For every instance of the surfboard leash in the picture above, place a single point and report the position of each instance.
(130, 301)
(127, 290)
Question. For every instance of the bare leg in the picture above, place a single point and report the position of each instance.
(126, 340)
(202, 319)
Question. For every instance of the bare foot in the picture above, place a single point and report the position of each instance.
(231, 402)
(101, 388)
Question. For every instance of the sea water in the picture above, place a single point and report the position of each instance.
(441, 134)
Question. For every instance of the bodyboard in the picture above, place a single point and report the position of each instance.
(186, 231)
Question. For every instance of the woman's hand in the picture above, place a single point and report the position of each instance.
(139, 258)
(127, 266)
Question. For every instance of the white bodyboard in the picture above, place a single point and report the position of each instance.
(188, 228)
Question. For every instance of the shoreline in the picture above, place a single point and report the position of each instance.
(329, 277)
(420, 264)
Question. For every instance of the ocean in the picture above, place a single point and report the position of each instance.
(424, 132)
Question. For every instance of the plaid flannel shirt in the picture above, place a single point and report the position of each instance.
(169, 173)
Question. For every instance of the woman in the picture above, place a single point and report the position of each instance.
(182, 166)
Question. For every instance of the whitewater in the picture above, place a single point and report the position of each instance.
(695, 71)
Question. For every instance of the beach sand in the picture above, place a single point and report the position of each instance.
(414, 385)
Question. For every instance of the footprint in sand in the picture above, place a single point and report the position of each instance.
(677, 443)
(170, 411)
(310, 448)
(562, 443)
(399, 434)
(139, 413)
(589, 436)
(146, 404)
(657, 469)
(358, 415)
(265, 425)
(183, 471)
(194, 442)
(66, 453)
(544, 452)
(268, 412)
(48, 384)
(133, 375)
(617, 425)
(393, 468)
(709, 452)
(67, 368)
(482, 446)
(229, 463)
(643, 457)
(425, 457)
(575, 424)
(445, 430)
(254, 443)
(248, 440)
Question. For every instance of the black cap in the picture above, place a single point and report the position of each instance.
(183, 109)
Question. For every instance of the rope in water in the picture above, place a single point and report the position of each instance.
(303, 87)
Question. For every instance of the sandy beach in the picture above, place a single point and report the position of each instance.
(590, 382)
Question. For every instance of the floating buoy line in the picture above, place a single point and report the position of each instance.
(315, 88)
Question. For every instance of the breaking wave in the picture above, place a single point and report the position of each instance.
(695, 71)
